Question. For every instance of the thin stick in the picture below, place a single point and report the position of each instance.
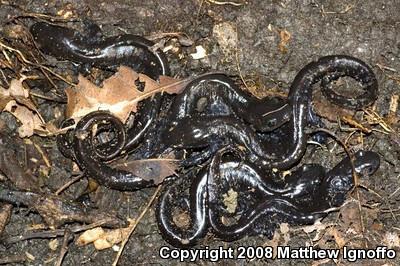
(53, 233)
(133, 226)
(355, 177)
(215, 2)
(44, 156)
(239, 69)
(64, 247)
(22, 56)
(41, 96)
(13, 259)
(69, 183)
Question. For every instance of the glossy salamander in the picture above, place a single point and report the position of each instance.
(91, 48)
(200, 131)
(211, 114)
(305, 196)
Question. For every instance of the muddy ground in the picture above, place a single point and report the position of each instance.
(369, 30)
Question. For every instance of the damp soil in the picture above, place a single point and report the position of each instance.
(247, 42)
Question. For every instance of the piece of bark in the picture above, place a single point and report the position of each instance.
(13, 165)
(5, 214)
(57, 211)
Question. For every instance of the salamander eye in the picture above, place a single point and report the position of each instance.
(272, 123)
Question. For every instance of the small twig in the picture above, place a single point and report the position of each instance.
(41, 96)
(344, 11)
(13, 259)
(69, 183)
(53, 233)
(216, 2)
(44, 156)
(392, 194)
(64, 247)
(133, 225)
(354, 173)
(24, 59)
(182, 82)
(349, 120)
(156, 36)
(378, 119)
(240, 70)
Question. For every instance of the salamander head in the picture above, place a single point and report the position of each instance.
(51, 39)
(340, 179)
(366, 162)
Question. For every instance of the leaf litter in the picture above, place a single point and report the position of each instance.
(16, 101)
(119, 94)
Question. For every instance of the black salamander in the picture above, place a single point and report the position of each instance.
(306, 195)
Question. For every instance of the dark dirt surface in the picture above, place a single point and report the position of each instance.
(369, 30)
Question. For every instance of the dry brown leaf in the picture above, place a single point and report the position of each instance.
(119, 93)
(274, 243)
(391, 240)
(329, 110)
(5, 214)
(149, 169)
(338, 236)
(350, 214)
(30, 120)
(318, 227)
(284, 228)
(16, 101)
(4, 98)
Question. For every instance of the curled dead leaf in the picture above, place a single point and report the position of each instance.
(30, 121)
(319, 227)
(150, 169)
(16, 101)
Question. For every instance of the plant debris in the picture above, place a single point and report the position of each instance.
(5, 213)
(200, 53)
(20, 165)
(118, 95)
(16, 101)
(230, 200)
(150, 169)
(102, 239)
(285, 37)
(55, 210)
